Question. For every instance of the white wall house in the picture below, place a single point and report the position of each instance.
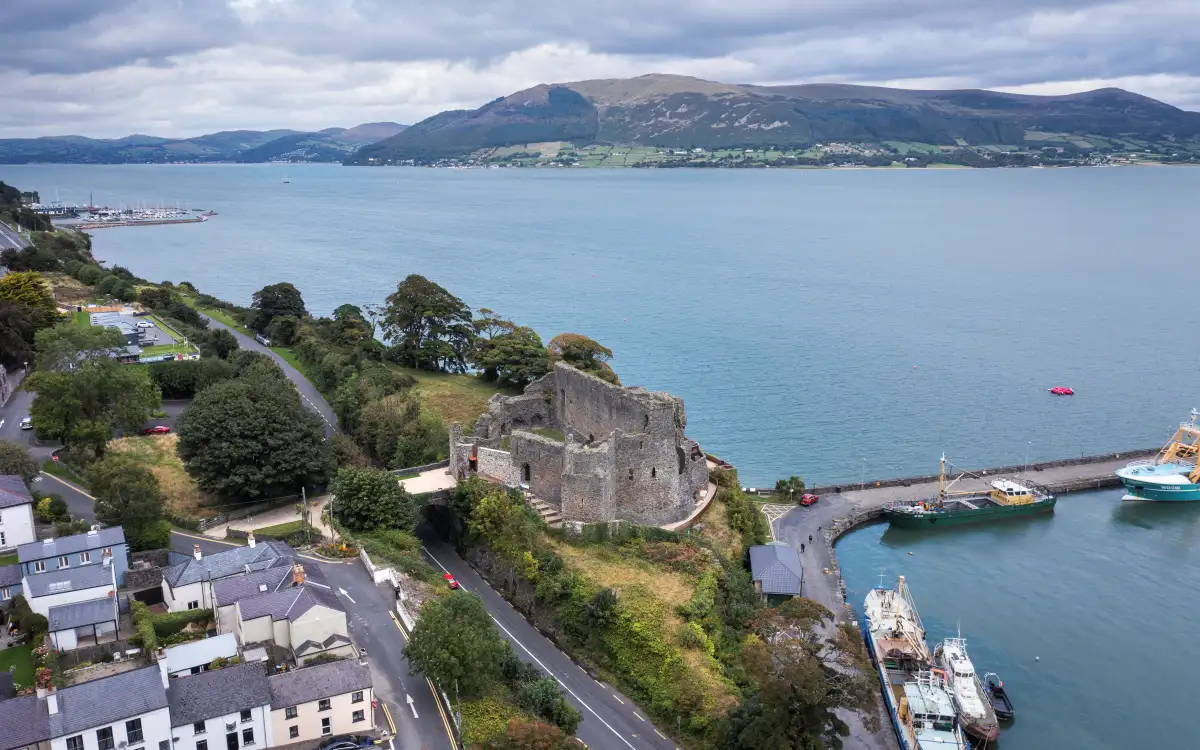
(222, 709)
(127, 710)
(67, 586)
(194, 657)
(189, 585)
(16, 512)
(321, 701)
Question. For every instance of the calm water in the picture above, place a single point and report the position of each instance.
(1105, 593)
(822, 323)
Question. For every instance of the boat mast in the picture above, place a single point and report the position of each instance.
(942, 481)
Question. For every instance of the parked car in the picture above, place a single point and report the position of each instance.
(144, 324)
(27, 423)
(348, 742)
(450, 581)
(158, 429)
(807, 499)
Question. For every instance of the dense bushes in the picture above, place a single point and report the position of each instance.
(186, 379)
(744, 516)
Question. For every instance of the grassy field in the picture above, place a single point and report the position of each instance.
(151, 351)
(281, 529)
(68, 290)
(10, 559)
(549, 432)
(223, 317)
(82, 318)
(18, 660)
(455, 398)
(157, 453)
(58, 470)
(288, 357)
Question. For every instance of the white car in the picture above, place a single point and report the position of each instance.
(144, 324)
(27, 423)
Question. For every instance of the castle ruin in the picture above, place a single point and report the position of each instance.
(591, 450)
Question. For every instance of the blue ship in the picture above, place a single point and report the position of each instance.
(1172, 475)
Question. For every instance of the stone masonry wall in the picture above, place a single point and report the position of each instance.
(593, 408)
(648, 481)
(588, 492)
(497, 464)
(544, 457)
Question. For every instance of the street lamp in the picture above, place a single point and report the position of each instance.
(1027, 444)
(862, 477)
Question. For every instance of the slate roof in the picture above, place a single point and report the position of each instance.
(289, 604)
(78, 614)
(188, 655)
(231, 562)
(25, 722)
(308, 684)
(217, 692)
(236, 588)
(332, 641)
(13, 491)
(67, 545)
(10, 575)
(79, 578)
(777, 566)
(106, 701)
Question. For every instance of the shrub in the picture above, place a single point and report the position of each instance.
(543, 698)
(169, 623)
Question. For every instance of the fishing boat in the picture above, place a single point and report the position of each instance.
(975, 713)
(998, 697)
(921, 710)
(1008, 497)
(1172, 475)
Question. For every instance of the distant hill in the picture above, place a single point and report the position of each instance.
(682, 112)
(329, 145)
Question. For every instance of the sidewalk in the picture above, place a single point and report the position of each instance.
(274, 517)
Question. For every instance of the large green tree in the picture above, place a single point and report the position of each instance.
(127, 494)
(16, 333)
(251, 437)
(370, 499)
(84, 406)
(584, 354)
(504, 351)
(67, 346)
(274, 301)
(30, 289)
(15, 459)
(428, 327)
(455, 644)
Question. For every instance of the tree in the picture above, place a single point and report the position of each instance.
(156, 297)
(514, 358)
(15, 460)
(127, 494)
(84, 406)
(16, 333)
(275, 300)
(429, 328)
(251, 437)
(352, 326)
(30, 289)
(67, 346)
(218, 341)
(583, 354)
(396, 431)
(371, 499)
(282, 330)
(455, 644)
(522, 735)
(543, 698)
(186, 379)
(789, 490)
(803, 670)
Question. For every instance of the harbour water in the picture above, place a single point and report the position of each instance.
(832, 324)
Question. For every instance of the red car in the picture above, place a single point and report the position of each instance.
(450, 581)
(807, 500)
(158, 429)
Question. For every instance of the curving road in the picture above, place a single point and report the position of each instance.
(10, 239)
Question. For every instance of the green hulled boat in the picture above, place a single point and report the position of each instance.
(1008, 498)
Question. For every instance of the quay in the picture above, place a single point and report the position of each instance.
(132, 223)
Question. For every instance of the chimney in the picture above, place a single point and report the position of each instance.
(250, 538)
(52, 703)
(297, 574)
(196, 551)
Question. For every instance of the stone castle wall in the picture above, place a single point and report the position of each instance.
(544, 459)
(589, 491)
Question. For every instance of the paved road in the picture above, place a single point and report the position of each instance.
(10, 239)
(610, 720)
(312, 397)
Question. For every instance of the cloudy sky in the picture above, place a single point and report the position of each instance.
(108, 68)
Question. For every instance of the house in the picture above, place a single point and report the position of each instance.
(320, 701)
(127, 710)
(77, 551)
(288, 607)
(777, 573)
(10, 582)
(16, 512)
(188, 585)
(83, 623)
(194, 657)
(224, 709)
(80, 604)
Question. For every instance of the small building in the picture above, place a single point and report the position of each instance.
(16, 511)
(302, 615)
(79, 550)
(188, 585)
(223, 709)
(79, 604)
(321, 701)
(83, 623)
(777, 573)
(194, 657)
(10, 582)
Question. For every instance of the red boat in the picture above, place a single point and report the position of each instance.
(1062, 390)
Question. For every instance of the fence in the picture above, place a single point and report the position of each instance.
(93, 654)
(248, 509)
(418, 469)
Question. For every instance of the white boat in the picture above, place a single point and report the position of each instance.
(975, 712)
(286, 180)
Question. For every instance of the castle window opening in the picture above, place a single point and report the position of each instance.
(653, 472)
(646, 422)
(631, 473)
(525, 473)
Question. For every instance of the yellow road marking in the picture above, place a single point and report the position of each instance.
(388, 714)
(399, 627)
(445, 721)
(65, 483)
(618, 699)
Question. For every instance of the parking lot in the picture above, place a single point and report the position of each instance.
(154, 338)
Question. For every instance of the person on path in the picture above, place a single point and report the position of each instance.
(810, 538)
(801, 546)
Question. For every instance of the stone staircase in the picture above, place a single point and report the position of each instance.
(547, 511)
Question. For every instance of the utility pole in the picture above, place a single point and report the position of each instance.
(304, 511)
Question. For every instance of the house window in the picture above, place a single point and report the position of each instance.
(75, 743)
(289, 713)
(4, 595)
(293, 732)
(245, 716)
(63, 562)
(104, 738)
(2, 544)
(247, 737)
(358, 716)
(108, 551)
(39, 566)
(198, 727)
(85, 557)
(323, 705)
(326, 729)
(194, 605)
(164, 745)
(357, 697)
(201, 744)
(133, 731)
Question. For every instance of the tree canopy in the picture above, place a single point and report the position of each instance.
(67, 346)
(511, 354)
(789, 490)
(428, 327)
(15, 460)
(371, 499)
(584, 354)
(276, 300)
(30, 289)
(251, 437)
(454, 643)
(83, 407)
(127, 494)
(17, 329)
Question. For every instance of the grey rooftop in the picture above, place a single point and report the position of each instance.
(231, 562)
(288, 604)
(217, 692)
(319, 681)
(79, 614)
(70, 579)
(67, 545)
(112, 699)
(237, 588)
(777, 566)
(13, 491)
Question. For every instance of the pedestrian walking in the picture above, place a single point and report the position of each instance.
(801, 546)
(810, 538)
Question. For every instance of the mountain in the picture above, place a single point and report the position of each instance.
(682, 112)
(329, 145)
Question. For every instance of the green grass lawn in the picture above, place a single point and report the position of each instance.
(549, 432)
(289, 357)
(455, 398)
(82, 318)
(223, 317)
(150, 351)
(8, 559)
(281, 529)
(59, 470)
(19, 659)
